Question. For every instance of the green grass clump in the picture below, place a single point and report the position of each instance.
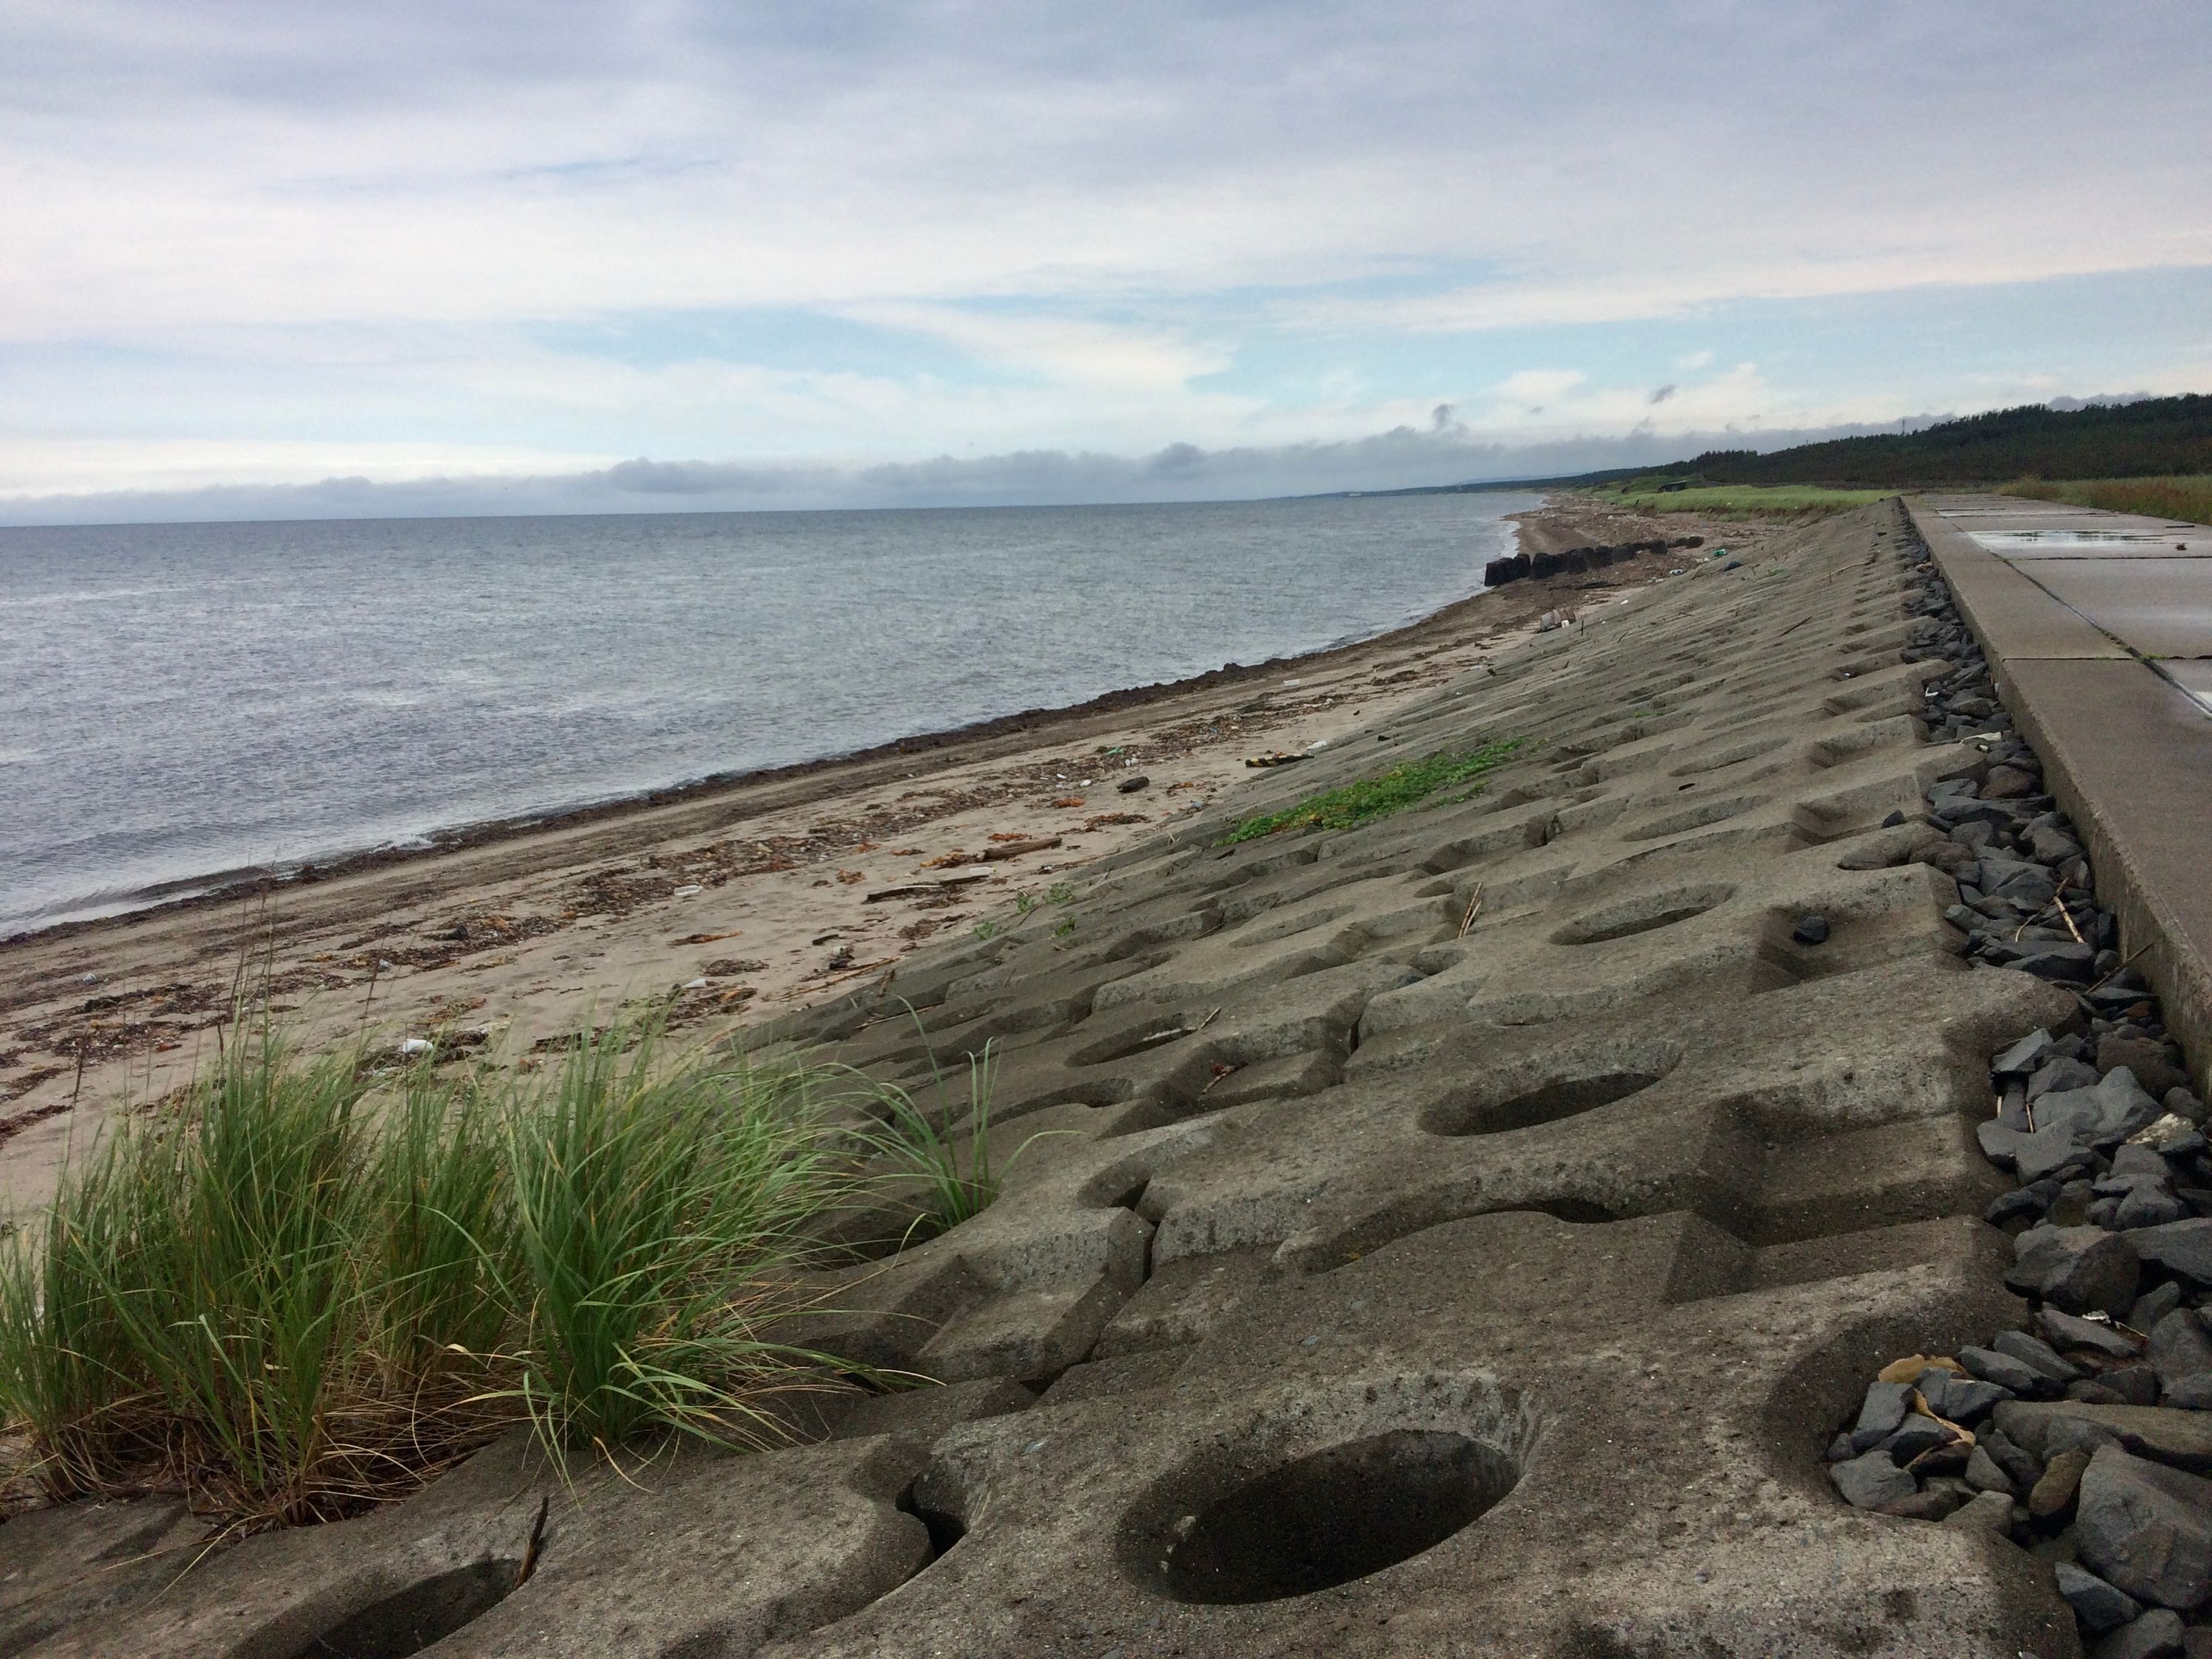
(1354, 804)
(307, 1288)
(2188, 498)
(1746, 501)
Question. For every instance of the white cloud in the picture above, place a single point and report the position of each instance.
(331, 230)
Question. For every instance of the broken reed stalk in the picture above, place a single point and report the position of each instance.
(1474, 908)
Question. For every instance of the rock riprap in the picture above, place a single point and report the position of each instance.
(1462, 1234)
(2093, 1423)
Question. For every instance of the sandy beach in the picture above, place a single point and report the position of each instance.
(726, 903)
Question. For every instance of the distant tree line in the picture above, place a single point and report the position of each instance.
(2158, 435)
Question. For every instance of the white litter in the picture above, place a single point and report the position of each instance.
(695, 984)
(686, 892)
(413, 1047)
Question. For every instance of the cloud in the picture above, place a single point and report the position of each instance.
(478, 228)
(1404, 457)
(1662, 393)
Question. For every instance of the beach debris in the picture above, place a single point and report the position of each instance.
(1280, 758)
(694, 938)
(1069, 800)
(1104, 819)
(847, 878)
(924, 889)
(415, 1048)
(686, 892)
(699, 984)
(1130, 786)
(1014, 849)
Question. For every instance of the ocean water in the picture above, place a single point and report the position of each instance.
(181, 701)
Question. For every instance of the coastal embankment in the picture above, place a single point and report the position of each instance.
(719, 903)
(1585, 1211)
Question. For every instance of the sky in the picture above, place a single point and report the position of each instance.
(271, 260)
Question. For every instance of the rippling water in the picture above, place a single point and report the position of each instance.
(178, 701)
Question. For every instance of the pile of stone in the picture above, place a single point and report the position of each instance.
(2087, 1437)
(1576, 561)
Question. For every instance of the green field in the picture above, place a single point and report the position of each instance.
(2188, 498)
(1742, 500)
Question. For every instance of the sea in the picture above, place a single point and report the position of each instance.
(182, 702)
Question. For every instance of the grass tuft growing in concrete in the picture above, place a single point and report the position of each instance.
(310, 1286)
(1351, 805)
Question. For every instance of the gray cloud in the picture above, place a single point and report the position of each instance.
(1663, 393)
(1404, 457)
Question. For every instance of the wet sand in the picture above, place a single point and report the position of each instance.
(722, 902)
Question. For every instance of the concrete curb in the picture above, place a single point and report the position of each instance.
(2127, 754)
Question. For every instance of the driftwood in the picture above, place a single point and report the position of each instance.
(920, 889)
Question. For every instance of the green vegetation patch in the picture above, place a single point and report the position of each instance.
(2189, 499)
(308, 1287)
(1746, 501)
(1354, 804)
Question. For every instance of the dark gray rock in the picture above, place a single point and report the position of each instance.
(2050, 846)
(2179, 1247)
(2058, 1075)
(2151, 1063)
(2025, 1056)
(2000, 1143)
(2022, 1203)
(1130, 786)
(2148, 1207)
(1985, 1474)
(2146, 1528)
(2077, 1269)
(1880, 1414)
(2063, 964)
(2184, 1103)
(2153, 1305)
(2183, 1438)
(2038, 1356)
(2092, 1391)
(2157, 1635)
(1916, 1435)
(2023, 1468)
(2182, 1355)
(1965, 1399)
(2133, 1163)
(1987, 1512)
(1840, 1449)
(1929, 1503)
(2065, 1330)
(2003, 1370)
(2050, 1151)
(2100, 1607)
(1872, 1481)
(2018, 879)
(1810, 930)
(2136, 1384)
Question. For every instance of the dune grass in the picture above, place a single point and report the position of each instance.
(2188, 499)
(309, 1288)
(1745, 501)
(1351, 805)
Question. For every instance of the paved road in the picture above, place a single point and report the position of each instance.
(2144, 583)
